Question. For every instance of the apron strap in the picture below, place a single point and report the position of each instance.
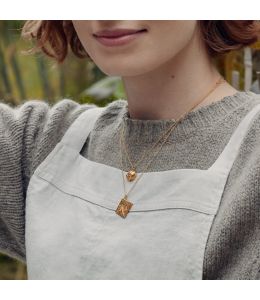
(76, 135)
(226, 159)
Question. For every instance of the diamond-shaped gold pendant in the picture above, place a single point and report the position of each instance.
(131, 175)
(123, 207)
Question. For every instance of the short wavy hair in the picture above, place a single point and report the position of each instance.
(55, 38)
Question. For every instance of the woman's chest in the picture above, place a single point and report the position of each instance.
(73, 231)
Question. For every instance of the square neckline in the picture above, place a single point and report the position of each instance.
(106, 201)
(51, 171)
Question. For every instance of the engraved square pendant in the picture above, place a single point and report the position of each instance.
(123, 208)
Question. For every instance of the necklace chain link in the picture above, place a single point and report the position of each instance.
(124, 205)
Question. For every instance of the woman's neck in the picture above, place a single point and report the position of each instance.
(173, 88)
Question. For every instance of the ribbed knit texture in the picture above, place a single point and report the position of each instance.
(30, 131)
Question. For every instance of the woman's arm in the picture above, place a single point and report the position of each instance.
(28, 133)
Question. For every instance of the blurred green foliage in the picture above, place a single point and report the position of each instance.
(24, 77)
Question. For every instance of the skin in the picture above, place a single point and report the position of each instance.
(165, 71)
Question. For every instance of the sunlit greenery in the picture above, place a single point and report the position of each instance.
(24, 77)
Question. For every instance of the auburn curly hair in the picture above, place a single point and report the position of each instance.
(55, 38)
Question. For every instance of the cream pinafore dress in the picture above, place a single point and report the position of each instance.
(73, 232)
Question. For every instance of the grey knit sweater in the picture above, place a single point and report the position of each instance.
(30, 131)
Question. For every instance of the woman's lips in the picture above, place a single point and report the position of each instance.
(116, 32)
(118, 37)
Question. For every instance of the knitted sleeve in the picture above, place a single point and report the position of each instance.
(28, 133)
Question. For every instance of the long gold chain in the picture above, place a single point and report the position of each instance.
(124, 205)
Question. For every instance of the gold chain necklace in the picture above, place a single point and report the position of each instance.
(132, 173)
(124, 205)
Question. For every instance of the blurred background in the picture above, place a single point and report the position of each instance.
(28, 77)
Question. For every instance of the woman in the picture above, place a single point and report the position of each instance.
(163, 185)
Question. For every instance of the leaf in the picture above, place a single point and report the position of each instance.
(104, 88)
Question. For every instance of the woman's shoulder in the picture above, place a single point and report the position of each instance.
(112, 114)
(31, 110)
(28, 133)
(252, 102)
(30, 130)
(251, 142)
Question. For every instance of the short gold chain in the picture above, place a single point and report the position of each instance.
(220, 80)
(167, 134)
